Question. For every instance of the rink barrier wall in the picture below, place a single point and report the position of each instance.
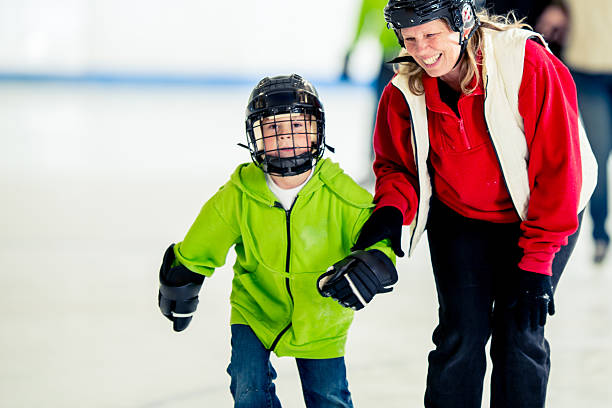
(143, 79)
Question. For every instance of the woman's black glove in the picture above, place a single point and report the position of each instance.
(534, 300)
(386, 222)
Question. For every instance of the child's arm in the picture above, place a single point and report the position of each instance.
(204, 248)
(212, 234)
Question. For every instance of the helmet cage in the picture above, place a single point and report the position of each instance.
(285, 131)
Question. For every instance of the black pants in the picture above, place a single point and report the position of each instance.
(475, 268)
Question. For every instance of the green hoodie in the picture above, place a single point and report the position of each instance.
(280, 255)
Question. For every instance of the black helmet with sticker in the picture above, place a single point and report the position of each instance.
(459, 14)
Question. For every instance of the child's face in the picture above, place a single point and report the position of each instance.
(288, 135)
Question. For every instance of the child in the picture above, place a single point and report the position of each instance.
(289, 215)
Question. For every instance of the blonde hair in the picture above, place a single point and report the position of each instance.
(469, 64)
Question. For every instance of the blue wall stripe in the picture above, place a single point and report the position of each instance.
(152, 79)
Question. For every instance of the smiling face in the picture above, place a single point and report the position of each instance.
(434, 46)
(287, 135)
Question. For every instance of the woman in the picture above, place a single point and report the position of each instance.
(477, 138)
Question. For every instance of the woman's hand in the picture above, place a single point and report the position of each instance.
(386, 222)
(534, 300)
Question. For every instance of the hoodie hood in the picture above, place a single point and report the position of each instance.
(251, 180)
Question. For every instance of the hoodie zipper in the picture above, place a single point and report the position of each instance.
(287, 262)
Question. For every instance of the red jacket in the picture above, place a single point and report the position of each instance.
(466, 175)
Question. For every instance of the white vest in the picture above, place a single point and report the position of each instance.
(503, 59)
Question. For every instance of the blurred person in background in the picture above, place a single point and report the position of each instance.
(530, 10)
(478, 140)
(368, 24)
(584, 27)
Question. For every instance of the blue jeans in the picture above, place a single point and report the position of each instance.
(475, 269)
(324, 381)
(595, 101)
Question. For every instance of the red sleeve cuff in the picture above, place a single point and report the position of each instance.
(534, 263)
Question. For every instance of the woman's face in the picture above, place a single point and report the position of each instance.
(433, 45)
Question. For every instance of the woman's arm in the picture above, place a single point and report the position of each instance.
(394, 166)
(548, 105)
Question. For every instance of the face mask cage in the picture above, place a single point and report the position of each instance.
(286, 143)
(285, 132)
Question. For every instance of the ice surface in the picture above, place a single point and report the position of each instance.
(97, 181)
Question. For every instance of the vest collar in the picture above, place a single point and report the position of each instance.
(432, 91)
(432, 94)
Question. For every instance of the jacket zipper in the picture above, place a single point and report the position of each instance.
(457, 116)
(464, 135)
(287, 262)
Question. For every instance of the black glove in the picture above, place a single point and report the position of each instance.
(386, 222)
(178, 291)
(534, 300)
(355, 280)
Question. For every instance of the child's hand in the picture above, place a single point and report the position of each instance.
(356, 279)
(178, 291)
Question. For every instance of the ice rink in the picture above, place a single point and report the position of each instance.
(97, 180)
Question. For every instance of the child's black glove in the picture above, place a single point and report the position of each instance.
(386, 222)
(355, 280)
(178, 291)
(534, 300)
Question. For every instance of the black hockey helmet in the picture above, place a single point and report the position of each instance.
(285, 125)
(459, 14)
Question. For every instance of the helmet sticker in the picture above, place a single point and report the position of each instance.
(467, 16)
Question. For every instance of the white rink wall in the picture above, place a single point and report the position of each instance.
(241, 38)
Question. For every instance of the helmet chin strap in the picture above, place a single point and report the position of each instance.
(289, 166)
(463, 41)
(461, 52)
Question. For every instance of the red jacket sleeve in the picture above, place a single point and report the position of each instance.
(394, 165)
(548, 105)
